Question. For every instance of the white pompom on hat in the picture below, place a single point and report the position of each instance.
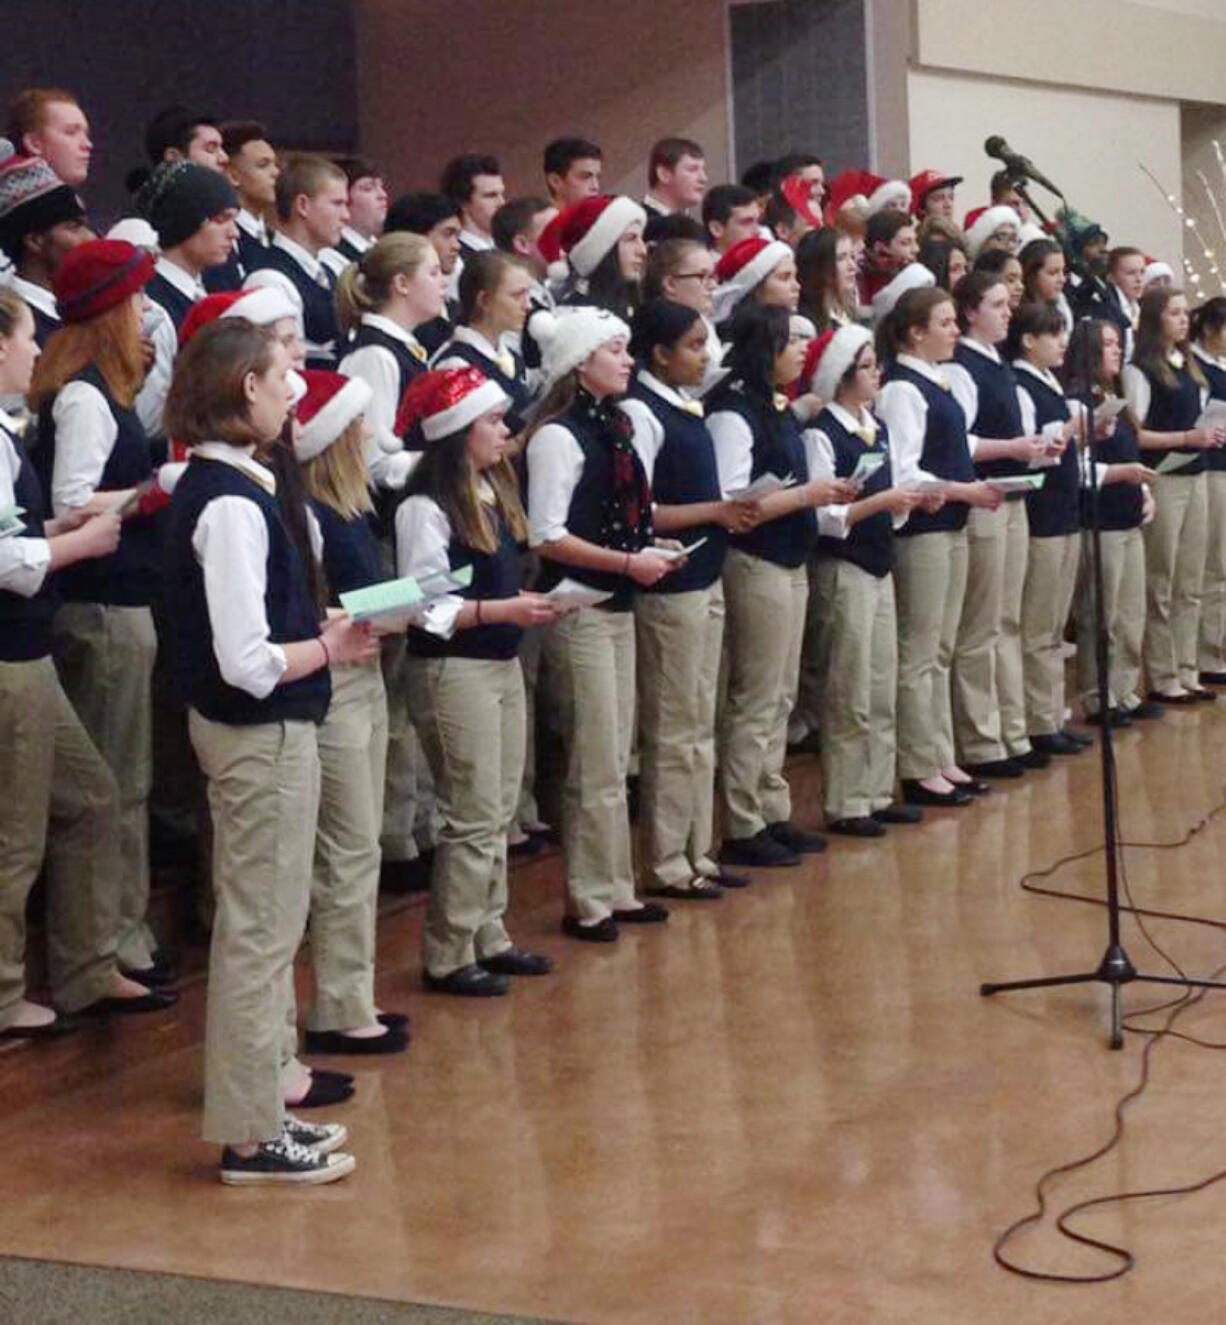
(569, 336)
(331, 404)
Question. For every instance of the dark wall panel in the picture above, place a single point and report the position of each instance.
(289, 63)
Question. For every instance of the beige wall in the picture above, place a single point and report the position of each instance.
(468, 75)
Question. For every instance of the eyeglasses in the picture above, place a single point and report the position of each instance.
(706, 277)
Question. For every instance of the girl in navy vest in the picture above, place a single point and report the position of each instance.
(1054, 512)
(589, 508)
(1209, 350)
(602, 240)
(252, 663)
(989, 705)
(329, 445)
(1044, 278)
(93, 453)
(928, 447)
(765, 583)
(395, 286)
(856, 632)
(1166, 391)
(680, 621)
(60, 807)
(466, 691)
(1092, 366)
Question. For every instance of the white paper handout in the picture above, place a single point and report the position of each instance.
(868, 464)
(1174, 461)
(1213, 415)
(676, 553)
(761, 487)
(1110, 408)
(1017, 482)
(569, 593)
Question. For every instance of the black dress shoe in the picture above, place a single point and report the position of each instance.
(1213, 678)
(650, 913)
(330, 1078)
(1033, 759)
(326, 1089)
(1083, 739)
(860, 826)
(899, 814)
(156, 1000)
(796, 839)
(159, 972)
(1114, 718)
(915, 793)
(1142, 712)
(468, 982)
(514, 961)
(1055, 744)
(603, 931)
(1157, 697)
(51, 1030)
(762, 851)
(701, 890)
(726, 879)
(974, 787)
(394, 1021)
(1204, 696)
(336, 1042)
(995, 768)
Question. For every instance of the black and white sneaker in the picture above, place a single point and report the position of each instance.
(323, 1138)
(284, 1161)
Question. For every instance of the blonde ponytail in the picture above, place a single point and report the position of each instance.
(365, 286)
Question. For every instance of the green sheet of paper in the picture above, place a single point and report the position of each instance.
(434, 586)
(391, 598)
(868, 464)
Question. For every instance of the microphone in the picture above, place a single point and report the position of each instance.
(1016, 164)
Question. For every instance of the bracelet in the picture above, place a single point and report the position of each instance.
(323, 644)
(478, 620)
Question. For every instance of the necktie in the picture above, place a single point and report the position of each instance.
(693, 407)
(418, 352)
(781, 401)
(506, 364)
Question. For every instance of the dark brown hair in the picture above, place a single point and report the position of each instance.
(206, 401)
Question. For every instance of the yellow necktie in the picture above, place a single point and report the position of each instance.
(418, 352)
(506, 364)
(693, 407)
(1175, 359)
(781, 401)
(867, 433)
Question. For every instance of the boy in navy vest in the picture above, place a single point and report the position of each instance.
(252, 168)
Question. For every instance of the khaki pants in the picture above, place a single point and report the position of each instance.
(680, 638)
(988, 698)
(1211, 655)
(105, 659)
(1174, 573)
(264, 797)
(929, 580)
(1051, 578)
(59, 803)
(859, 658)
(1123, 552)
(590, 655)
(765, 624)
(344, 892)
(805, 714)
(410, 815)
(469, 714)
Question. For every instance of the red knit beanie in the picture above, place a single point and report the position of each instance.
(97, 275)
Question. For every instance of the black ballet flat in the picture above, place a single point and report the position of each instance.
(915, 793)
(51, 1030)
(156, 1000)
(650, 913)
(336, 1042)
(899, 814)
(974, 787)
(859, 826)
(603, 931)
(324, 1092)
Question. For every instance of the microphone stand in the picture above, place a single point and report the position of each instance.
(1115, 969)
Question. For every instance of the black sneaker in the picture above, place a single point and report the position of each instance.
(1143, 712)
(762, 851)
(796, 839)
(284, 1161)
(323, 1138)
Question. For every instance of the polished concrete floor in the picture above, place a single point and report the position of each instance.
(788, 1106)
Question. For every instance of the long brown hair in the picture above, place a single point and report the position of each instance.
(913, 312)
(446, 474)
(1150, 349)
(111, 342)
(206, 401)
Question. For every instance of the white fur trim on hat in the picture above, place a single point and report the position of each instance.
(330, 423)
(893, 190)
(135, 230)
(569, 336)
(488, 396)
(604, 233)
(750, 276)
(297, 386)
(1028, 233)
(801, 326)
(264, 305)
(1158, 271)
(987, 225)
(914, 276)
(839, 356)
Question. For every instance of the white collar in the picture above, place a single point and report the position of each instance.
(666, 392)
(1048, 378)
(36, 295)
(473, 240)
(467, 336)
(9, 424)
(356, 240)
(849, 420)
(252, 225)
(653, 204)
(1213, 360)
(1124, 302)
(184, 282)
(988, 351)
(307, 261)
(931, 371)
(390, 328)
(241, 458)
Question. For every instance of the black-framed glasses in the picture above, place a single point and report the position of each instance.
(706, 277)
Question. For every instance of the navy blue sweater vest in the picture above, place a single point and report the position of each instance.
(318, 311)
(287, 603)
(1119, 504)
(1215, 375)
(1175, 409)
(515, 385)
(171, 298)
(870, 543)
(586, 516)
(25, 623)
(779, 449)
(410, 366)
(352, 559)
(1055, 509)
(1000, 415)
(129, 576)
(686, 474)
(250, 251)
(495, 575)
(229, 276)
(44, 326)
(945, 454)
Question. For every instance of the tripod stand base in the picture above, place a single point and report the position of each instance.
(1115, 970)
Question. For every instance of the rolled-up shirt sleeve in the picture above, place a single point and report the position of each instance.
(733, 440)
(905, 413)
(555, 465)
(831, 520)
(423, 540)
(85, 435)
(24, 562)
(231, 544)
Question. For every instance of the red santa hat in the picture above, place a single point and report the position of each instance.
(880, 193)
(798, 192)
(446, 400)
(743, 268)
(830, 356)
(849, 189)
(263, 306)
(928, 181)
(550, 246)
(914, 276)
(331, 404)
(983, 222)
(1157, 270)
(590, 229)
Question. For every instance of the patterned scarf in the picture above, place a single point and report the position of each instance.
(626, 511)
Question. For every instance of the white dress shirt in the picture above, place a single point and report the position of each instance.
(390, 464)
(37, 296)
(252, 226)
(555, 465)
(832, 521)
(183, 281)
(85, 435)
(24, 562)
(423, 536)
(471, 240)
(500, 354)
(335, 260)
(1139, 394)
(905, 411)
